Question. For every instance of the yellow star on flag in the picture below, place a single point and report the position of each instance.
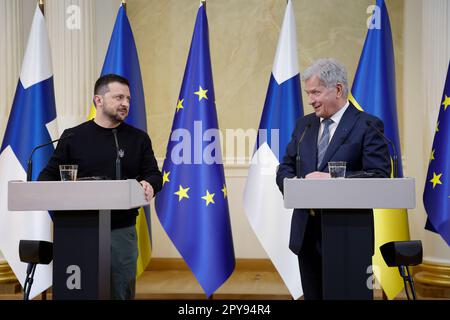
(166, 177)
(201, 93)
(436, 179)
(446, 102)
(437, 127)
(180, 105)
(224, 190)
(432, 155)
(209, 198)
(182, 193)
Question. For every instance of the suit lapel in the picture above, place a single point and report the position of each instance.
(347, 122)
(311, 145)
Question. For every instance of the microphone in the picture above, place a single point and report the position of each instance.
(395, 156)
(118, 164)
(30, 161)
(297, 159)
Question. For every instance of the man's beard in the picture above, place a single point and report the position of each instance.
(116, 117)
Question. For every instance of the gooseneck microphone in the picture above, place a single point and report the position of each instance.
(395, 156)
(297, 159)
(30, 161)
(118, 164)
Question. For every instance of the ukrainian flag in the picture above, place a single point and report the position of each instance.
(374, 92)
(122, 59)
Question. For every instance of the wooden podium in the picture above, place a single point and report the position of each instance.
(346, 225)
(81, 214)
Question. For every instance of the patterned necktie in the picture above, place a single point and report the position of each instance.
(324, 140)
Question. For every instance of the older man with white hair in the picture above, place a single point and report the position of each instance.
(336, 131)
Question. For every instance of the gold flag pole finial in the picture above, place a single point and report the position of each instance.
(41, 5)
(124, 4)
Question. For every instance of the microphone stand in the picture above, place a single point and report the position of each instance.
(297, 159)
(404, 272)
(30, 159)
(28, 281)
(395, 156)
(118, 164)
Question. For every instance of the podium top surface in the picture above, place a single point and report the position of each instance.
(75, 195)
(359, 193)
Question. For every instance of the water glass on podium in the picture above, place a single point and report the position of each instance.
(337, 169)
(68, 172)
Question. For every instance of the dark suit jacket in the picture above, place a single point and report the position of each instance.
(354, 141)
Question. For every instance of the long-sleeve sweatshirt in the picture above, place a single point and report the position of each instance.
(93, 149)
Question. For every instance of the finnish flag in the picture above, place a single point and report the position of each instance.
(263, 202)
(32, 121)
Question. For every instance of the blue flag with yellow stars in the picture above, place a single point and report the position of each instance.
(436, 196)
(192, 205)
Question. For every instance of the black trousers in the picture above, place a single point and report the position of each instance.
(336, 256)
(310, 260)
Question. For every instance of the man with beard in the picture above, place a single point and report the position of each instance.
(93, 146)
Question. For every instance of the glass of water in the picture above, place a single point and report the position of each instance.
(68, 172)
(337, 169)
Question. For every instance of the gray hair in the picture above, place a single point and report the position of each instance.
(330, 73)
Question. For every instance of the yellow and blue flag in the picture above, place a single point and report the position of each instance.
(193, 203)
(374, 92)
(32, 122)
(122, 59)
(436, 196)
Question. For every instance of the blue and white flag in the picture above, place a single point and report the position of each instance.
(32, 121)
(263, 202)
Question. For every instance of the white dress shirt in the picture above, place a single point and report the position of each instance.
(336, 118)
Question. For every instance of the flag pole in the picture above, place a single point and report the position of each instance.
(203, 3)
(41, 5)
(124, 4)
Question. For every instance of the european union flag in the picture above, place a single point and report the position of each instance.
(436, 196)
(192, 205)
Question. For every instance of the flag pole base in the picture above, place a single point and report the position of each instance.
(432, 280)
